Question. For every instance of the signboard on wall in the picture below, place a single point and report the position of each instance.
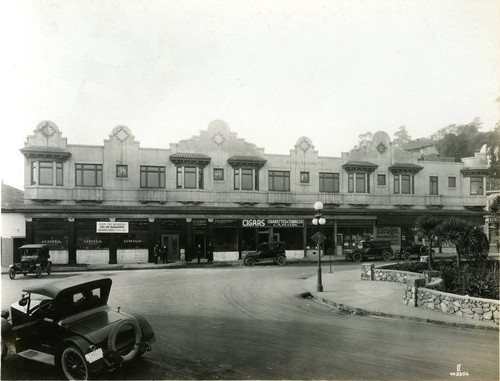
(389, 234)
(111, 227)
(275, 223)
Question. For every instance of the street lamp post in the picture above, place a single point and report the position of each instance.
(319, 220)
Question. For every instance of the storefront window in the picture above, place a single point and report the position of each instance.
(225, 238)
(87, 238)
(52, 232)
(292, 237)
(137, 237)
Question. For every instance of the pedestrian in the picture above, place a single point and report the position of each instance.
(210, 253)
(164, 254)
(156, 252)
(198, 252)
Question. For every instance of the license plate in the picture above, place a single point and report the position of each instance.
(94, 356)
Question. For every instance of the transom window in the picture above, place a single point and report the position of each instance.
(88, 175)
(152, 177)
(476, 185)
(279, 180)
(46, 173)
(433, 185)
(358, 182)
(329, 182)
(404, 184)
(189, 177)
(246, 179)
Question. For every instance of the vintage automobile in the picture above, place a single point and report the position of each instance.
(408, 251)
(267, 252)
(34, 259)
(67, 323)
(370, 250)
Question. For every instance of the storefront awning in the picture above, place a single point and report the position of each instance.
(359, 166)
(197, 159)
(45, 152)
(405, 168)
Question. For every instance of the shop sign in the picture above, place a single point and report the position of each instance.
(276, 223)
(112, 227)
(389, 234)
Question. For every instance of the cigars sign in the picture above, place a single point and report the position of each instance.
(276, 223)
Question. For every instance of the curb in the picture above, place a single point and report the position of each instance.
(364, 312)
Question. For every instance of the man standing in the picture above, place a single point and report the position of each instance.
(156, 252)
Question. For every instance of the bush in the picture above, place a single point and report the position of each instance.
(414, 267)
(477, 279)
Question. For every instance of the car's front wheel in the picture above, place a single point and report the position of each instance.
(250, 261)
(357, 257)
(12, 273)
(281, 260)
(387, 255)
(406, 255)
(73, 364)
(38, 272)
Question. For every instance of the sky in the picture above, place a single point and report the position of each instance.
(274, 70)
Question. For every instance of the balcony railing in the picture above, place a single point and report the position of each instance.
(280, 198)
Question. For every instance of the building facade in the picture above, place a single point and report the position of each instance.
(113, 203)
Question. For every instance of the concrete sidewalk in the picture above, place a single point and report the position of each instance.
(346, 290)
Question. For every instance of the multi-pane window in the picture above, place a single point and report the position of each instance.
(189, 177)
(329, 182)
(279, 180)
(433, 185)
(476, 186)
(46, 173)
(358, 182)
(404, 184)
(246, 179)
(88, 175)
(452, 182)
(152, 177)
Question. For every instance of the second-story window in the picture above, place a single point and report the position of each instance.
(46, 173)
(358, 182)
(404, 184)
(246, 179)
(279, 180)
(476, 186)
(88, 175)
(189, 177)
(152, 177)
(433, 185)
(329, 182)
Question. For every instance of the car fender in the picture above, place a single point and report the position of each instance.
(84, 346)
(147, 331)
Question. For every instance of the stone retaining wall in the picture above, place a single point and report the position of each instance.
(421, 291)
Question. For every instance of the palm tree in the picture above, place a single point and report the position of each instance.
(468, 238)
(426, 225)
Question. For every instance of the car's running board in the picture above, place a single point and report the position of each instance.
(35, 355)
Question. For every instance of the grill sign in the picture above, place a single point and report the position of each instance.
(263, 223)
(112, 227)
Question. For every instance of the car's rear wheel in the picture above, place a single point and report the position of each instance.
(387, 255)
(281, 260)
(38, 272)
(12, 273)
(250, 261)
(123, 341)
(73, 364)
(357, 257)
(406, 255)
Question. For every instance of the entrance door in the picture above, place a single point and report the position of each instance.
(171, 241)
(199, 246)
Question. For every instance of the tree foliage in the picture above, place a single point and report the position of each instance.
(460, 141)
(364, 140)
(401, 137)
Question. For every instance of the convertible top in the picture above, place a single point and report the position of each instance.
(71, 285)
(34, 246)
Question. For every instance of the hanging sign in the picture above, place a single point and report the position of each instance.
(276, 223)
(111, 227)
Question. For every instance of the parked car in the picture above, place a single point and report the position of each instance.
(68, 324)
(267, 252)
(408, 251)
(34, 259)
(370, 250)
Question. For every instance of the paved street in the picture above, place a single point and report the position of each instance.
(252, 323)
